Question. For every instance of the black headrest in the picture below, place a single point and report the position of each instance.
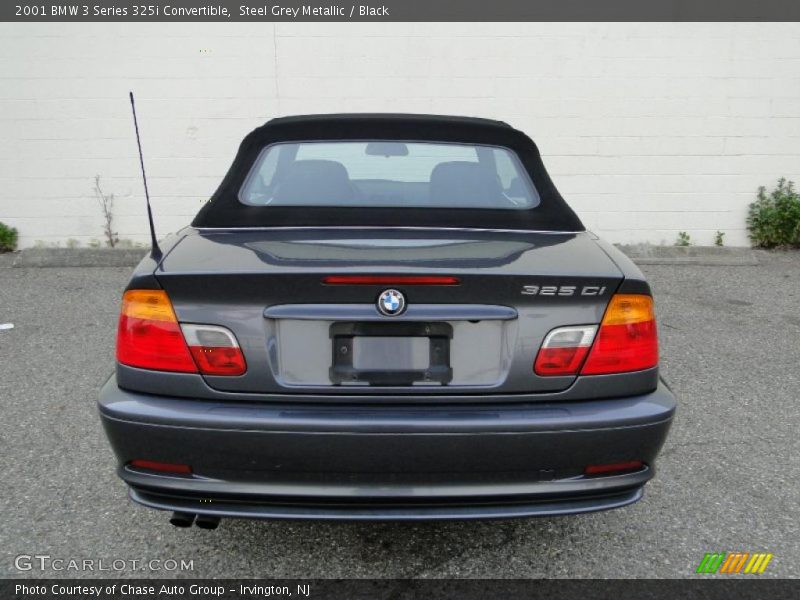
(463, 183)
(314, 182)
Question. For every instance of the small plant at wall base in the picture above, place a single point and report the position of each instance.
(774, 219)
(8, 238)
(718, 238)
(683, 239)
(107, 205)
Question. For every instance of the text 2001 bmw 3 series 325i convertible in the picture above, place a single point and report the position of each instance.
(386, 317)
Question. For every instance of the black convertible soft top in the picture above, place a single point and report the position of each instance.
(224, 210)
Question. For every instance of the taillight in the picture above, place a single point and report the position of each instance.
(564, 350)
(627, 338)
(215, 350)
(149, 336)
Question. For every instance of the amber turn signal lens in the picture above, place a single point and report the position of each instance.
(152, 305)
(627, 309)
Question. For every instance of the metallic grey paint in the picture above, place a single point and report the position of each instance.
(231, 279)
(282, 441)
(415, 461)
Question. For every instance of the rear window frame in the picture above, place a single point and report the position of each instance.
(517, 160)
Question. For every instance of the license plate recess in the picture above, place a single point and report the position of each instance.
(343, 371)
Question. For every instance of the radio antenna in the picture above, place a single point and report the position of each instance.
(155, 251)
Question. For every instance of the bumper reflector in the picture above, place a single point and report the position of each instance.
(162, 467)
(631, 465)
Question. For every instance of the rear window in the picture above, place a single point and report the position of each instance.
(389, 174)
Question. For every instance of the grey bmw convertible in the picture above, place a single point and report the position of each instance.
(385, 317)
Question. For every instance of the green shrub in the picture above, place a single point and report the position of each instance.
(684, 239)
(8, 238)
(774, 219)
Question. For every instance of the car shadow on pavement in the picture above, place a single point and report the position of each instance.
(509, 547)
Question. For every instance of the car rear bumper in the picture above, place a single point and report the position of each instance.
(293, 460)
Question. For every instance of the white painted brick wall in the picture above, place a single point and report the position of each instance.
(647, 129)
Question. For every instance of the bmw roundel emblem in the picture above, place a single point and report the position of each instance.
(391, 303)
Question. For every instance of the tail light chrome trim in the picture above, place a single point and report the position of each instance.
(568, 337)
(563, 351)
(208, 335)
(215, 349)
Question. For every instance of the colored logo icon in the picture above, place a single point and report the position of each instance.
(732, 563)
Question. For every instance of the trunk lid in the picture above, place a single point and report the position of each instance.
(267, 287)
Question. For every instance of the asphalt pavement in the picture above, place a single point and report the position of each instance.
(727, 478)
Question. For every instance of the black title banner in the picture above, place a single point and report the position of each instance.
(399, 10)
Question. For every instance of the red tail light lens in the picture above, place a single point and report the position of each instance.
(627, 339)
(215, 350)
(148, 335)
(564, 350)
